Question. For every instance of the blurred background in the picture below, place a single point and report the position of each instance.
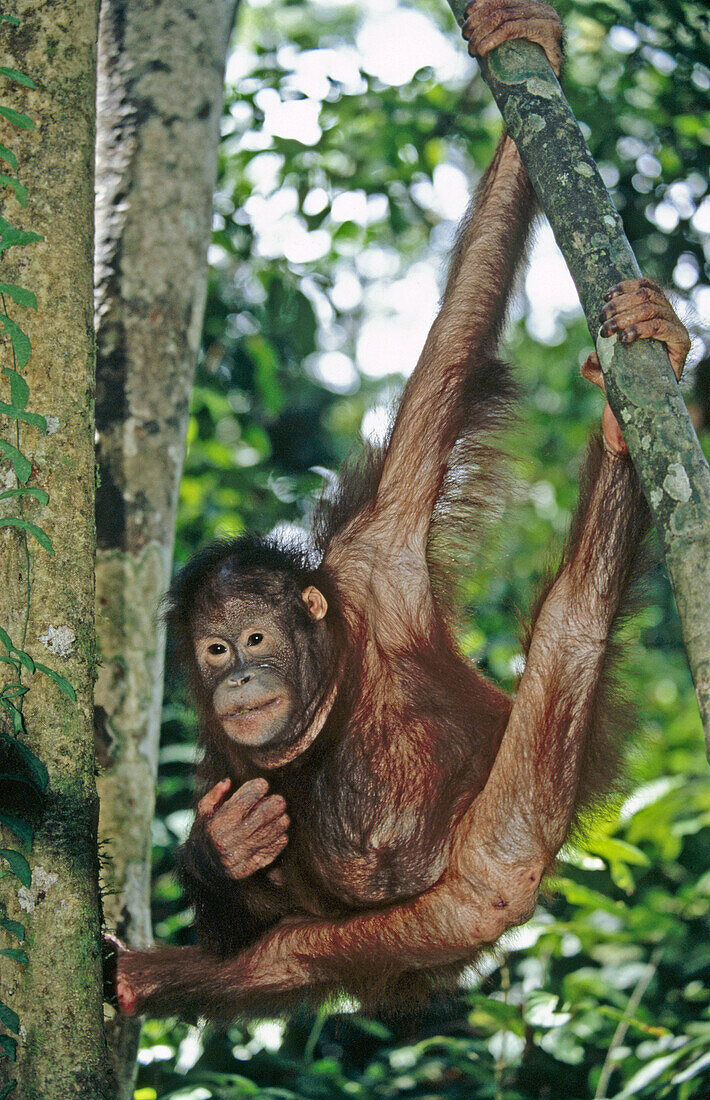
(350, 136)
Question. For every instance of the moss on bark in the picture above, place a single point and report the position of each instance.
(58, 996)
(158, 131)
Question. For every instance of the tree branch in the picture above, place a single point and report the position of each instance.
(641, 387)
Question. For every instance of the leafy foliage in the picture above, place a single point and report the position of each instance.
(605, 992)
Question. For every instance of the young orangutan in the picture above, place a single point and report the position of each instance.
(374, 812)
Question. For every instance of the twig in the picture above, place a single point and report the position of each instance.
(623, 1026)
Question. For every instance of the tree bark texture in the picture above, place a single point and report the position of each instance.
(57, 994)
(641, 387)
(160, 81)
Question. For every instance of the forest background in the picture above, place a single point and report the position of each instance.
(348, 133)
(347, 136)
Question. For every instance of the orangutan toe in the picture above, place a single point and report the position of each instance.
(638, 309)
(489, 23)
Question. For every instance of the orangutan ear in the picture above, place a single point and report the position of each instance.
(315, 601)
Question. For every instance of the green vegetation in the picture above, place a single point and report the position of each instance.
(605, 993)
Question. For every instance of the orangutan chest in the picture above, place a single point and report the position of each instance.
(366, 834)
(386, 861)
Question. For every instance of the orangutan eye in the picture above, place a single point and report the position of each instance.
(216, 649)
(255, 639)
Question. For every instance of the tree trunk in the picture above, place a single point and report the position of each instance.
(47, 597)
(161, 71)
(640, 384)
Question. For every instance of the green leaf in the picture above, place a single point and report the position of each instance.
(10, 19)
(21, 465)
(42, 537)
(541, 1009)
(15, 714)
(19, 390)
(19, 867)
(25, 659)
(9, 1046)
(6, 639)
(15, 953)
(14, 928)
(13, 691)
(19, 294)
(19, 339)
(61, 683)
(20, 828)
(584, 897)
(23, 122)
(20, 414)
(621, 876)
(8, 156)
(35, 765)
(17, 187)
(692, 1070)
(11, 236)
(5, 1092)
(13, 777)
(39, 494)
(650, 1072)
(9, 1018)
(614, 850)
(19, 78)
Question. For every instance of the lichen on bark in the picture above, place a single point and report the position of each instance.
(161, 72)
(57, 994)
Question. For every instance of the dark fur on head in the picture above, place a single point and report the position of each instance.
(247, 565)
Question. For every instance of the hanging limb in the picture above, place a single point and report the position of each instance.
(640, 384)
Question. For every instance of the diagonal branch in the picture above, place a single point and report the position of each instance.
(641, 387)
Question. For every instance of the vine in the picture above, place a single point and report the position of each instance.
(19, 766)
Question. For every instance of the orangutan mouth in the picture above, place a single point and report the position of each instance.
(250, 710)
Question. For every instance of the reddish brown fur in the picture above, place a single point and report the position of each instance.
(427, 810)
